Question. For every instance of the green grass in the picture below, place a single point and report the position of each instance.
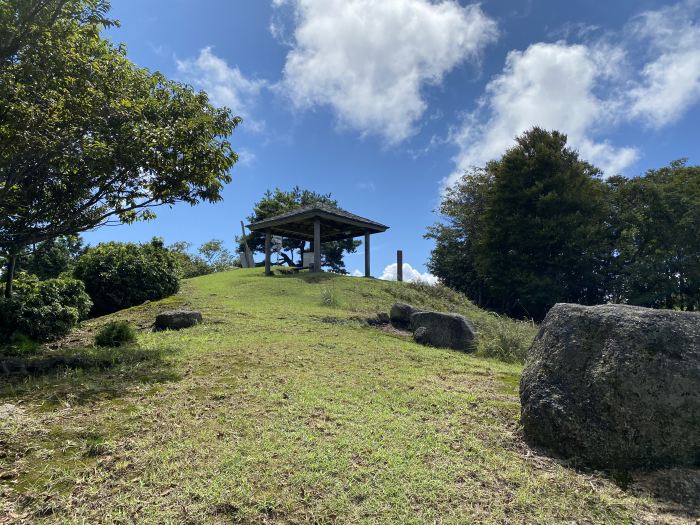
(285, 407)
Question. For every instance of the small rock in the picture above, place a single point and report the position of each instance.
(400, 314)
(421, 335)
(177, 319)
(379, 319)
(444, 330)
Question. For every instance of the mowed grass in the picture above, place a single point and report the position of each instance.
(286, 407)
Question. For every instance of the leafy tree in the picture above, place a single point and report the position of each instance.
(528, 231)
(217, 256)
(51, 258)
(274, 203)
(188, 264)
(462, 210)
(86, 137)
(120, 275)
(657, 252)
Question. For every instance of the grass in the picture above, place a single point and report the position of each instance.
(285, 407)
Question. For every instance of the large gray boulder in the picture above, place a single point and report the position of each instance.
(615, 386)
(177, 319)
(400, 314)
(443, 330)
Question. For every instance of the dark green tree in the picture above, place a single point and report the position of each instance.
(657, 256)
(86, 137)
(274, 203)
(531, 230)
(51, 258)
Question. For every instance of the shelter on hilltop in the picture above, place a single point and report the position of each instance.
(317, 223)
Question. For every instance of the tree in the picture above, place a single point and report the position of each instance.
(274, 203)
(87, 138)
(657, 247)
(49, 259)
(462, 210)
(529, 230)
(217, 256)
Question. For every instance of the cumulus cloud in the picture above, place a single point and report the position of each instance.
(548, 85)
(370, 60)
(226, 85)
(410, 274)
(671, 81)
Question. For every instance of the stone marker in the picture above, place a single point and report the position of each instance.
(177, 319)
(400, 314)
(443, 330)
(615, 386)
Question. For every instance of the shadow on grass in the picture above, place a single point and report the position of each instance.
(81, 375)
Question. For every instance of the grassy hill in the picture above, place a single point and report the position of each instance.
(286, 407)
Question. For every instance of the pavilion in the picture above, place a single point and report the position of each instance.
(317, 223)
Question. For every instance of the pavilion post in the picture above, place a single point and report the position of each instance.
(268, 249)
(317, 244)
(399, 265)
(368, 272)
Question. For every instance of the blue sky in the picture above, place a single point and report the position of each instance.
(383, 103)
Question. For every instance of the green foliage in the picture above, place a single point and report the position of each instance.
(329, 297)
(213, 257)
(121, 275)
(527, 231)
(43, 310)
(116, 333)
(86, 137)
(505, 339)
(657, 220)
(51, 258)
(274, 203)
(217, 256)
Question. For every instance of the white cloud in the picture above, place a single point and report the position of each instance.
(548, 85)
(410, 274)
(357, 273)
(246, 157)
(370, 60)
(670, 82)
(226, 85)
(584, 89)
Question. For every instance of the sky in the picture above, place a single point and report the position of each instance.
(385, 103)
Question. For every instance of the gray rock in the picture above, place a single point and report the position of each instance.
(400, 314)
(444, 330)
(177, 319)
(421, 335)
(615, 386)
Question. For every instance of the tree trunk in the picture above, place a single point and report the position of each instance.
(11, 265)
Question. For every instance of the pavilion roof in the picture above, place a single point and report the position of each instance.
(336, 223)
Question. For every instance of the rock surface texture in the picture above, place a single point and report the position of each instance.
(615, 386)
(177, 319)
(400, 314)
(443, 330)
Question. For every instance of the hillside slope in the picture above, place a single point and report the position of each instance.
(284, 407)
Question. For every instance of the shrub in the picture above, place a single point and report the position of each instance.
(120, 275)
(505, 339)
(116, 333)
(43, 310)
(329, 297)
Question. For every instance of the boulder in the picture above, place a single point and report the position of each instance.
(400, 314)
(443, 330)
(177, 319)
(615, 386)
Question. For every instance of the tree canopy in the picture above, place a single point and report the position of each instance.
(86, 137)
(540, 226)
(279, 201)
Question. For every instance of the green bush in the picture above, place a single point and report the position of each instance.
(120, 275)
(43, 310)
(329, 297)
(505, 339)
(116, 333)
